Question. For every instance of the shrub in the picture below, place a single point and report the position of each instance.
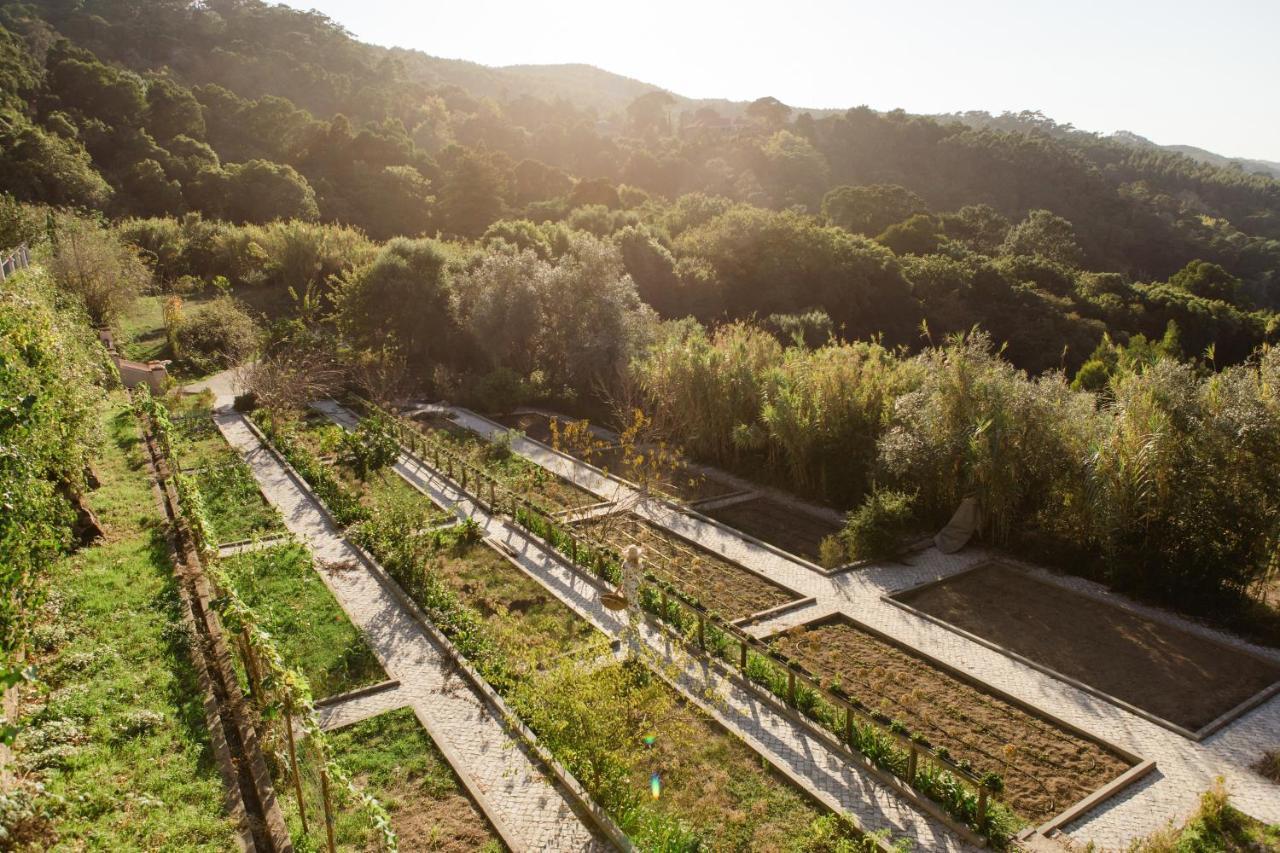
(371, 446)
(217, 336)
(874, 530)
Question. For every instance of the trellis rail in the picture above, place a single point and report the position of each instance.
(18, 259)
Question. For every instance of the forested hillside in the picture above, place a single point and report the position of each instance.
(876, 310)
(248, 112)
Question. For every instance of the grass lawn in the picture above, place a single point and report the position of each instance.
(296, 608)
(118, 735)
(393, 758)
(236, 510)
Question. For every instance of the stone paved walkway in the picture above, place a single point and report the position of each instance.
(807, 760)
(528, 811)
(1184, 768)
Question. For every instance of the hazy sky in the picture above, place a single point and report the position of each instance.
(1205, 73)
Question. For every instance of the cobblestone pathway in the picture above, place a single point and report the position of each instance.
(808, 761)
(1184, 769)
(528, 811)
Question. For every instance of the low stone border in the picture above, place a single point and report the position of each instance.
(358, 693)
(245, 546)
(774, 612)
(1198, 735)
(602, 820)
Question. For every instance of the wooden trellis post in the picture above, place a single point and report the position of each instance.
(702, 631)
(328, 806)
(912, 761)
(251, 666)
(293, 760)
(743, 645)
(848, 724)
(791, 685)
(982, 805)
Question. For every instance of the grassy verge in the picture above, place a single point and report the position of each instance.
(117, 736)
(296, 608)
(392, 757)
(233, 505)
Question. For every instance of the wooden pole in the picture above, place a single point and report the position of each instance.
(982, 805)
(328, 806)
(848, 724)
(702, 631)
(791, 685)
(293, 760)
(912, 761)
(744, 655)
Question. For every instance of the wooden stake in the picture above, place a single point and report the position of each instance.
(848, 724)
(912, 761)
(982, 805)
(328, 806)
(791, 686)
(702, 631)
(293, 761)
(744, 655)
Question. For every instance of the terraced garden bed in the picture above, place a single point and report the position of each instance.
(512, 470)
(381, 491)
(794, 531)
(719, 585)
(235, 508)
(681, 481)
(615, 725)
(675, 759)
(1170, 673)
(528, 623)
(393, 758)
(309, 626)
(1045, 766)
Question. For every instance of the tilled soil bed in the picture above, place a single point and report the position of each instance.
(793, 530)
(723, 587)
(1178, 676)
(1045, 767)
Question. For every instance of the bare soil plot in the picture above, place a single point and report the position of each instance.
(683, 482)
(1168, 672)
(392, 757)
(511, 469)
(723, 587)
(793, 530)
(1045, 766)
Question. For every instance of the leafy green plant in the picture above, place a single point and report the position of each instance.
(875, 529)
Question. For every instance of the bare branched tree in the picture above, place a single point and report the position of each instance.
(289, 380)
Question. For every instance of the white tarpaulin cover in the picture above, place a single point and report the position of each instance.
(960, 528)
